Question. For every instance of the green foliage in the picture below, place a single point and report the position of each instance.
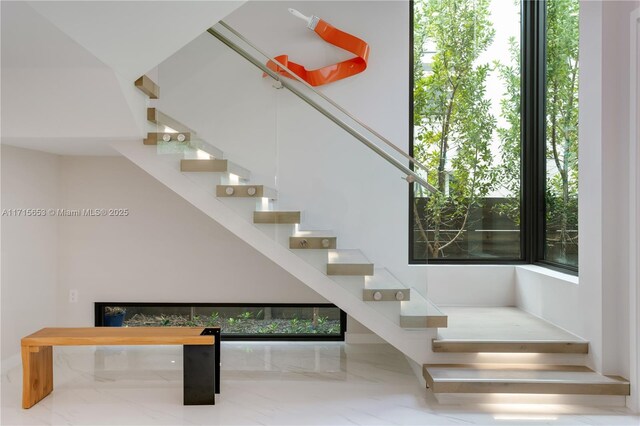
(194, 322)
(562, 123)
(561, 195)
(214, 319)
(454, 126)
(452, 119)
(271, 328)
(510, 145)
(164, 321)
(245, 315)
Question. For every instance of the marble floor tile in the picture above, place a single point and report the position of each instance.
(264, 383)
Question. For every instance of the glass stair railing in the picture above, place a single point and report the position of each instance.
(292, 173)
(323, 104)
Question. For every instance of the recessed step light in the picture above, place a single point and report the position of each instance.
(522, 379)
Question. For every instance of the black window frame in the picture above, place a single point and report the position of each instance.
(533, 145)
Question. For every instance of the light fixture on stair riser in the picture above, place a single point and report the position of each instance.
(303, 243)
(325, 243)
(166, 137)
(229, 190)
(251, 191)
(377, 296)
(181, 137)
(400, 295)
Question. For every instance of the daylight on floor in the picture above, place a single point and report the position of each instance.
(269, 212)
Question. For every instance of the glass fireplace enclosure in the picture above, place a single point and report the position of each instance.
(238, 321)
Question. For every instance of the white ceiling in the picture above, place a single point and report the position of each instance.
(134, 36)
(31, 41)
(68, 67)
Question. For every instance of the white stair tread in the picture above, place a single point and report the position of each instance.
(520, 374)
(312, 234)
(382, 279)
(500, 324)
(347, 256)
(419, 306)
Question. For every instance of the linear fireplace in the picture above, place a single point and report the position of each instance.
(238, 321)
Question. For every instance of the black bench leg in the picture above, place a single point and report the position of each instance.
(200, 374)
(216, 333)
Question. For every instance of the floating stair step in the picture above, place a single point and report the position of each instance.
(255, 191)
(420, 312)
(148, 87)
(312, 240)
(213, 165)
(382, 286)
(521, 378)
(156, 137)
(513, 346)
(276, 217)
(348, 262)
(156, 116)
(503, 329)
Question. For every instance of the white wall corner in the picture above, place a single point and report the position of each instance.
(633, 401)
(590, 221)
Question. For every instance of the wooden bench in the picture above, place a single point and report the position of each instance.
(201, 365)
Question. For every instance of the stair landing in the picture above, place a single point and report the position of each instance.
(503, 329)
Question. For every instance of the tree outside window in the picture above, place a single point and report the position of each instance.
(467, 129)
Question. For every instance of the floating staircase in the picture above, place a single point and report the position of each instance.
(198, 171)
(480, 350)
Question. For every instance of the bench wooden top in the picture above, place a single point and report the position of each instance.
(105, 336)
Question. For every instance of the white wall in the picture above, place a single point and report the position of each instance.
(615, 160)
(29, 246)
(338, 183)
(56, 96)
(554, 296)
(164, 251)
(132, 37)
(634, 212)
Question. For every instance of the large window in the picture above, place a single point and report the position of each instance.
(476, 98)
(561, 195)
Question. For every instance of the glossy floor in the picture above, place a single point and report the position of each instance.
(263, 383)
